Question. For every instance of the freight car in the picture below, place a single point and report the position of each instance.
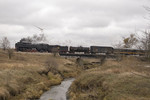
(128, 51)
(80, 49)
(53, 48)
(63, 49)
(101, 50)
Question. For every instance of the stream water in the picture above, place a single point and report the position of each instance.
(58, 92)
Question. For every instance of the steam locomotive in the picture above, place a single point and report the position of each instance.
(41, 47)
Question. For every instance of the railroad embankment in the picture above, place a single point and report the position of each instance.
(115, 80)
(28, 75)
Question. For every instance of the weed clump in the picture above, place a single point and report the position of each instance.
(52, 65)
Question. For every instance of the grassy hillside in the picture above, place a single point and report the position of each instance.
(27, 75)
(128, 79)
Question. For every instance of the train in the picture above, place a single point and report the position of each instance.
(42, 47)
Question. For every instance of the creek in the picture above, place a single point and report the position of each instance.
(58, 92)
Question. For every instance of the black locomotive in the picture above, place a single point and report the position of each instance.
(29, 47)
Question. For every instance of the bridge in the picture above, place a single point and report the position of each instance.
(87, 55)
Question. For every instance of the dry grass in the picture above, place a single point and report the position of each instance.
(124, 80)
(27, 74)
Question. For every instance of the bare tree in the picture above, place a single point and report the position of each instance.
(145, 42)
(118, 45)
(5, 43)
(127, 42)
(130, 41)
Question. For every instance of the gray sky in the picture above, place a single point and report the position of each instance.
(72, 22)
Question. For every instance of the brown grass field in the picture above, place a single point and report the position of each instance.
(128, 79)
(28, 75)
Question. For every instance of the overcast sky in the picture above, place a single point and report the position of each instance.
(72, 22)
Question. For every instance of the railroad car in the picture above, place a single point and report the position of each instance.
(128, 51)
(101, 49)
(63, 49)
(85, 50)
(53, 48)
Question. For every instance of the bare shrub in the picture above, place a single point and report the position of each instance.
(10, 53)
(79, 62)
(52, 65)
(102, 60)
